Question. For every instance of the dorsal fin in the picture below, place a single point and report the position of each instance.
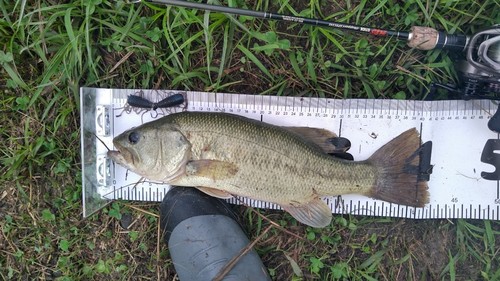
(320, 137)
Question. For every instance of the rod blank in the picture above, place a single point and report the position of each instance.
(265, 15)
(422, 38)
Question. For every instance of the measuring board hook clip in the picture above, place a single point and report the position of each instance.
(424, 168)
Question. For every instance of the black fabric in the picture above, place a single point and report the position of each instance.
(182, 203)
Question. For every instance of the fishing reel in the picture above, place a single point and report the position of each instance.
(478, 68)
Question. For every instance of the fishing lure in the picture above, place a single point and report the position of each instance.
(138, 101)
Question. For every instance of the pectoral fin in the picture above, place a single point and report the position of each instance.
(215, 192)
(211, 169)
(320, 137)
(315, 213)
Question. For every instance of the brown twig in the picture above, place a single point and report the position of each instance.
(141, 210)
(225, 270)
(158, 238)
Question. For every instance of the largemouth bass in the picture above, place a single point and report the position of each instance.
(224, 155)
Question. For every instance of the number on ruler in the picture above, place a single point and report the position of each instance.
(489, 156)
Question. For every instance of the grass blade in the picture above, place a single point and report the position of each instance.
(255, 60)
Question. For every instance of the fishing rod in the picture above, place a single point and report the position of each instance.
(478, 67)
(422, 38)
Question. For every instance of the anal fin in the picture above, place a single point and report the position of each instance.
(315, 213)
(215, 192)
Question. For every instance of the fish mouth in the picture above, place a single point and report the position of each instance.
(121, 156)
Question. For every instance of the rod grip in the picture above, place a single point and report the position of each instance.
(423, 38)
(426, 38)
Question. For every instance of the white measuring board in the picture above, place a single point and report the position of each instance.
(458, 131)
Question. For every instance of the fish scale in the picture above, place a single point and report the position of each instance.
(276, 161)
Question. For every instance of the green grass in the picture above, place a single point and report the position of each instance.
(48, 49)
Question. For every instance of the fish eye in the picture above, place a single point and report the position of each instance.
(133, 137)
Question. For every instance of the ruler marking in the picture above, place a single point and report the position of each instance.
(498, 189)
(422, 110)
(340, 128)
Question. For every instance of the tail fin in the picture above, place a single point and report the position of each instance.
(397, 163)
